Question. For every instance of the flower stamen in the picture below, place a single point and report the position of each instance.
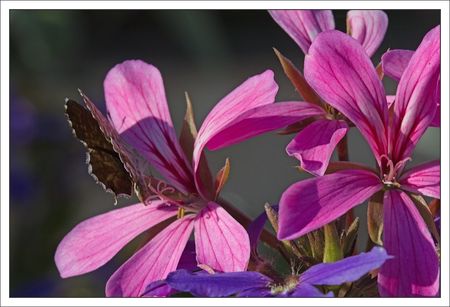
(390, 172)
(180, 213)
(162, 192)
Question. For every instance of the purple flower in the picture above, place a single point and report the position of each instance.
(339, 70)
(255, 284)
(138, 111)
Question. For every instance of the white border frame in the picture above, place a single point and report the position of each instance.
(253, 5)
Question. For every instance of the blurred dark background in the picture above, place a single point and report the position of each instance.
(207, 53)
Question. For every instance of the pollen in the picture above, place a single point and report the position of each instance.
(180, 213)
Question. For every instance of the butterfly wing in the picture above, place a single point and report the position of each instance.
(104, 163)
(135, 165)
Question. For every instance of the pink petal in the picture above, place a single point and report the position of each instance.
(315, 144)
(220, 241)
(415, 102)
(424, 179)
(303, 25)
(436, 122)
(262, 119)
(153, 262)
(368, 28)
(187, 261)
(414, 270)
(340, 71)
(312, 203)
(395, 61)
(437, 116)
(95, 241)
(256, 91)
(390, 100)
(137, 107)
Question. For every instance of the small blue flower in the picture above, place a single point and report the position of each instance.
(255, 284)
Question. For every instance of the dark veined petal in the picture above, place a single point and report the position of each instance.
(256, 91)
(437, 116)
(221, 242)
(187, 261)
(312, 203)
(314, 145)
(340, 71)
(263, 119)
(137, 106)
(95, 241)
(395, 61)
(415, 102)
(152, 262)
(368, 27)
(303, 25)
(423, 179)
(414, 270)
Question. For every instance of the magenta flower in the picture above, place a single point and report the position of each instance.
(311, 148)
(394, 63)
(255, 284)
(138, 111)
(367, 27)
(338, 68)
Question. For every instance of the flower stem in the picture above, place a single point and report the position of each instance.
(342, 149)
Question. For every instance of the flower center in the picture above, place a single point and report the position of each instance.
(286, 286)
(329, 109)
(171, 197)
(390, 171)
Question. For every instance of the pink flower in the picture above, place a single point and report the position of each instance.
(340, 71)
(138, 111)
(394, 63)
(314, 145)
(366, 26)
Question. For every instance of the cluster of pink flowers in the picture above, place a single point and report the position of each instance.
(342, 89)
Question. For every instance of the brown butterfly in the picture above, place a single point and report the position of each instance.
(111, 162)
